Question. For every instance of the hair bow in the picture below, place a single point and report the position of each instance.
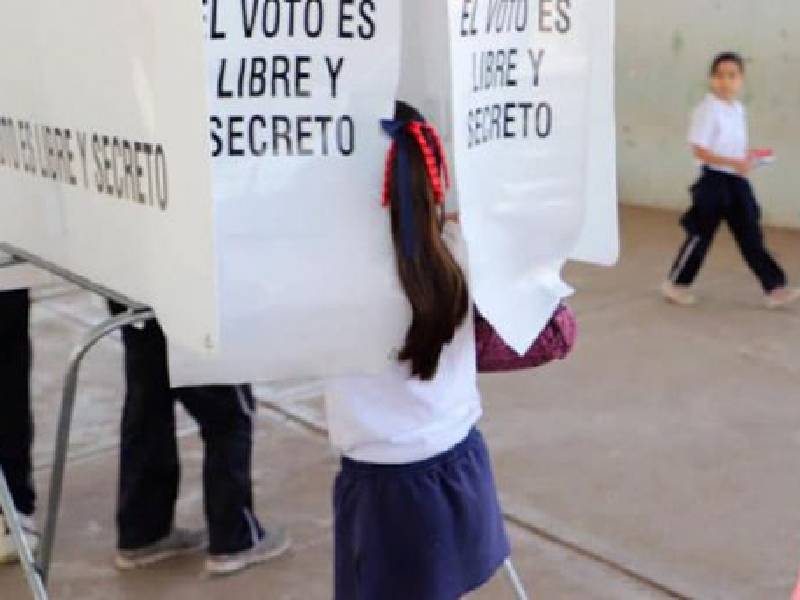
(435, 164)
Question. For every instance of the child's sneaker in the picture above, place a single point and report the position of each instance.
(678, 294)
(178, 542)
(272, 545)
(8, 551)
(782, 297)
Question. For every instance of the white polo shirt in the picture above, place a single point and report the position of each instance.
(393, 418)
(721, 128)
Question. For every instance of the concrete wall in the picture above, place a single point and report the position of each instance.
(663, 51)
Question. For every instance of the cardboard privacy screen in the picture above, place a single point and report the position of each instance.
(104, 166)
(307, 283)
(286, 97)
(526, 104)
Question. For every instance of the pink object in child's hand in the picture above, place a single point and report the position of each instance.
(762, 156)
(554, 343)
(796, 595)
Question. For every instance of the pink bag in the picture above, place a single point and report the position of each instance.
(554, 343)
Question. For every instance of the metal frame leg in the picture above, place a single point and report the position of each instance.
(514, 579)
(65, 424)
(38, 571)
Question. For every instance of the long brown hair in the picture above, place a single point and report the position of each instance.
(432, 280)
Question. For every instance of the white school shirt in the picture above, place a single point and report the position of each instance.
(392, 418)
(721, 128)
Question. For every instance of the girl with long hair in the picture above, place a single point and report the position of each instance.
(415, 505)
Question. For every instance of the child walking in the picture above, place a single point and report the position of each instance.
(415, 505)
(719, 140)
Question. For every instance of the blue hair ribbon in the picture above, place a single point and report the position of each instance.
(396, 129)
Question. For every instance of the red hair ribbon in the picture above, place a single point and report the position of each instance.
(435, 161)
(391, 156)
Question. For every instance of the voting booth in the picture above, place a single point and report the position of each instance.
(220, 165)
(523, 93)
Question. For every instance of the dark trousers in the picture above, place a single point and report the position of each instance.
(149, 465)
(16, 420)
(716, 197)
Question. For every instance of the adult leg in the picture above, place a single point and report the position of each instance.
(16, 426)
(225, 415)
(149, 470)
(744, 220)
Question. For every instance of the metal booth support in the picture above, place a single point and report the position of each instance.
(37, 568)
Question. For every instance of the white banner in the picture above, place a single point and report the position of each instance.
(521, 232)
(104, 166)
(521, 73)
(308, 283)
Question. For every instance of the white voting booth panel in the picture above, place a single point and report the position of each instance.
(520, 104)
(104, 152)
(428, 82)
(307, 280)
(528, 202)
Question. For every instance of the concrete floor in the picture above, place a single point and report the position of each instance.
(660, 461)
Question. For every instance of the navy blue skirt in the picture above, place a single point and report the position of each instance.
(430, 530)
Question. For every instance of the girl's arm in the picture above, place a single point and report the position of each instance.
(743, 166)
